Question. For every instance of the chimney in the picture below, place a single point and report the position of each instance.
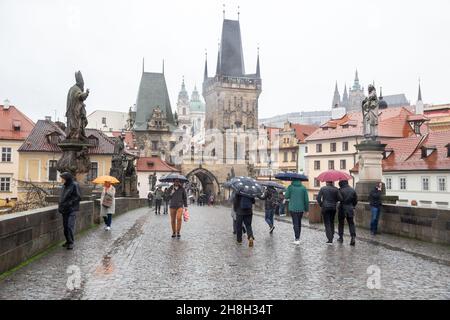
(48, 118)
(6, 104)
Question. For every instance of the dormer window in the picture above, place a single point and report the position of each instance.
(150, 163)
(93, 140)
(387, 153)
(427, 151)
(54, 138)
(16, 125)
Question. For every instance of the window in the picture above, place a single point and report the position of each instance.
(52, 172)
(333, 147)
(317, 165)
(294, 156)
(5, 184)
(425, 184)
(285, 157)
(93, 172)
(316, 183)
(402, 183)
(330, 164)
(6, 154)
(172, 144)
(343, 164)
(345, 146)
(104, 120)
(154, 145)
(389, 183)
(93, 141)
(318, 147)
(306, 149)
(442, 184)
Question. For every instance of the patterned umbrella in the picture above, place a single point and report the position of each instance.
(291, 176)
(272, 184)
(246, 186)
(333, 175)
(171, 177)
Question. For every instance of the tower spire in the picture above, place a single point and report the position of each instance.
(239, 13)
(218, 59)
(223, 11)
(258, 72)
(143, 65)
(163, 66)
(419, 98)
(205, 75)
(336, 97)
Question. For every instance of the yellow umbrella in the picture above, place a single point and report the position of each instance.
(103, 179)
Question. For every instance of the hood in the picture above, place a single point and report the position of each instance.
(296, 183)
(343, 183)
(67, 176)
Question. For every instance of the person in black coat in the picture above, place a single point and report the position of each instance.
(327, 199)
(69, 205)
(375, 207)
(243, 206)
(346, 211)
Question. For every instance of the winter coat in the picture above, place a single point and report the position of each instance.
(69, 200)
(237, 206)
(178, 197)
(328, 197)
(298, 198)
(159, 194)
(375, 198)
(111, 210)
(349, 199)
(270, 199)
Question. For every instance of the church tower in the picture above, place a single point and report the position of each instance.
(356, 96)
(336, 97)
(183, 109)
(231, 96)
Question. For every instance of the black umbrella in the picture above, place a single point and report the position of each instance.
(171, 177)
(246, 186)
(272, 184)
(291, 176)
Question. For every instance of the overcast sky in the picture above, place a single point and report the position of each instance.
(305, 46)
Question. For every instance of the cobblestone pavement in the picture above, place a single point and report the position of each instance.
(139, 260)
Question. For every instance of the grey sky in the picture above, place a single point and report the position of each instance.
(305, 47)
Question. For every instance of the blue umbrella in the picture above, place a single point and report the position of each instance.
(272, 184)
(291, 176)
(171, 177)
(246, 186)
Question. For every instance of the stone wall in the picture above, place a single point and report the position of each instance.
(26, 234)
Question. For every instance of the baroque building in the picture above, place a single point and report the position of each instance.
(190, 112)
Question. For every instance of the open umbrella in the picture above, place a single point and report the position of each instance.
(333, 175)
(162, 185)
(246, 186)
(103, 179)
(171, 177)
(272, 184)
(291, 176)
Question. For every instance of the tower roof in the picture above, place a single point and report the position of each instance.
(152, 93)
(231, 56)
(356, 85)
(336, 97)
(419, 98)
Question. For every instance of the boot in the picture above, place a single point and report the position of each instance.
(352, 241)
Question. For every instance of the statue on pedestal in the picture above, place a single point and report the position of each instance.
(370, 114)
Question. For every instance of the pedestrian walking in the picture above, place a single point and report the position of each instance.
(270, 198)
(150, 199)
(178, 203)
(282, 207)
(375, 207)
(166, 200)
(327, 199)
(68, 206)
(108, 204)
(158, 200)
(243, 206)
(346, 211)
(298, 198)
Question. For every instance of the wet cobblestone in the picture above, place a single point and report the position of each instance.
(139, 260)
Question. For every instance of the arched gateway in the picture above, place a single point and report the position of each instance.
(206, 181)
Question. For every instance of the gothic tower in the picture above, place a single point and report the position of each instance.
(183, 109)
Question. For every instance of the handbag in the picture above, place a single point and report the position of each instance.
(185, 215)
(107, 200)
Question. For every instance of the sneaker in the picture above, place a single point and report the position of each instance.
(250, 242)
(65, 244)
(352, 241)
(108, 228)
(178, 235)
(174, 235)
(340, 240)
(271, 229)
(296, 242)
(330, 242)
(69, 246)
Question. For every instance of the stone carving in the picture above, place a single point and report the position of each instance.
(76, 110)
(153, 179)
(123, 168)
(370, 107)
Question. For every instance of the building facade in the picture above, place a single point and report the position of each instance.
(190, 112)
(14, 128)
(107, 121)
(146, 168)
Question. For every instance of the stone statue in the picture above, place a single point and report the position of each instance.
(76, 110)
(370, 114)
(153, 181)
(119, 146)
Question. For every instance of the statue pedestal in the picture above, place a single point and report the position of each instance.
(370, 156)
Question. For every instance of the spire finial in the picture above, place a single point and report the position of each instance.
(163, 67)
(258, 72)
(381, 93)
(224, 11)
(143, 64)
(239, 13)
(419, 98)
(205, 75)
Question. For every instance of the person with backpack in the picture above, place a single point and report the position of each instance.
(270, 198)
(327, 199)
(346, 211)
(108, 204)
(298, 198)
(243, 206)
(68, 206)
(158, 200)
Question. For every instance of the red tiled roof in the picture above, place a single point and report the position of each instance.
(154, 164)
(407, 153)
(10, 117)
(392, 124)
(416, 117)
(37, 140)
(129, 138)
(302, 131)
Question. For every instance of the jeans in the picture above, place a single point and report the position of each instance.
(176, 217)
(342, 215)
(281, 209)
(247, 221)
(69, 226)
(166, 207)
(108, 219)
(158, 206)
(328, 220)
(269, 216)
(297, 223)
(374, 219)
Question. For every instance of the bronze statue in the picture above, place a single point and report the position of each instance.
(370, 114)
(76, 110)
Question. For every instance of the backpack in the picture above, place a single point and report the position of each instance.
(246, 203)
